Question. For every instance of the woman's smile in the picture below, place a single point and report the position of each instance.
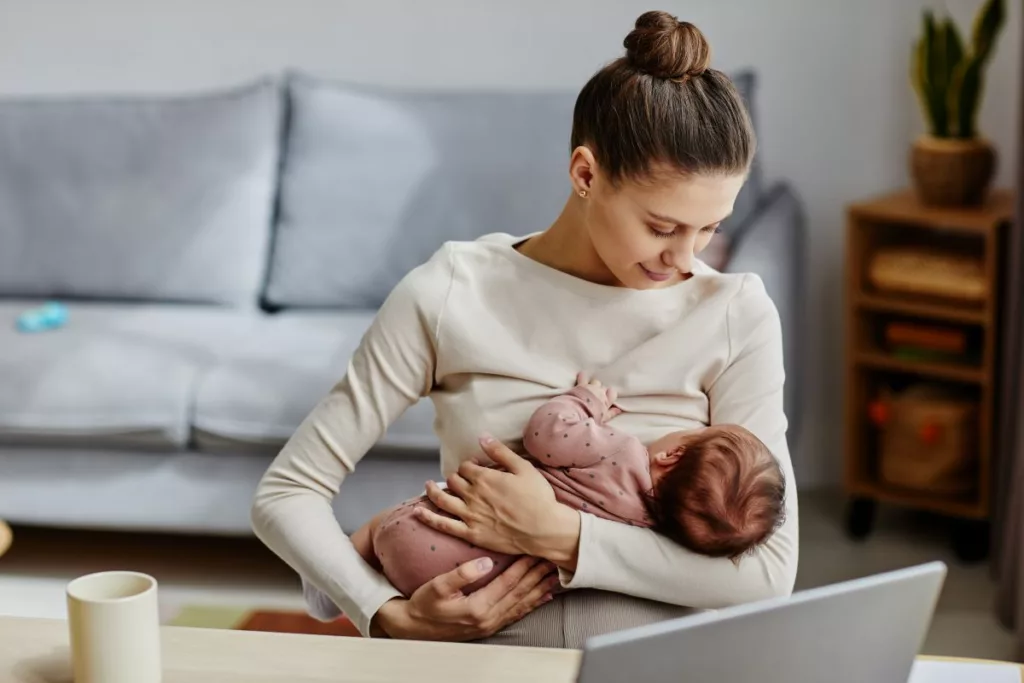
(656, 276)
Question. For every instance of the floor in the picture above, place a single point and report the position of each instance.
(228, 572)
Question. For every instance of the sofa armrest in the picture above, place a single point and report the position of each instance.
(773, 245)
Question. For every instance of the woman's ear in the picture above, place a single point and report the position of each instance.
(582, 169)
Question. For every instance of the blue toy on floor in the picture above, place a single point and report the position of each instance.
(49, 316)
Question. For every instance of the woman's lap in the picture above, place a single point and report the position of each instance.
(573, 617)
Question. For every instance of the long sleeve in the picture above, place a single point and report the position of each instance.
(392, 368)
(748, 392)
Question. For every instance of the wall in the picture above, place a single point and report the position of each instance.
(836, 111)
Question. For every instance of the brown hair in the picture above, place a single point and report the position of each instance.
(725, 496)
(661, 103)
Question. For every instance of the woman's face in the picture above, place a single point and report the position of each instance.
(647, 233)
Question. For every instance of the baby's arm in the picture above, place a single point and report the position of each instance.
(568, 430)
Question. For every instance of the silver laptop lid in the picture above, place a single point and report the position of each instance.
(863, 631)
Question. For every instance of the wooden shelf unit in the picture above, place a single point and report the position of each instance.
(900, 219)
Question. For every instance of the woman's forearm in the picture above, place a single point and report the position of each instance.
(560, 542)
(299, 526)
(637, 561)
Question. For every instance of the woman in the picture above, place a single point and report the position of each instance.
(489, 329)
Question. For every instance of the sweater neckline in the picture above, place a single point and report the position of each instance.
(507, 246)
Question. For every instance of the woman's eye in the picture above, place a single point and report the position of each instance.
(661, 233)
(713, 229)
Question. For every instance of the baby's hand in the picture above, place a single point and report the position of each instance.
(606, 394)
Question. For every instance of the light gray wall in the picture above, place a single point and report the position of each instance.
(836, 111)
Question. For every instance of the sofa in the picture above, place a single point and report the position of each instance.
(220, 254)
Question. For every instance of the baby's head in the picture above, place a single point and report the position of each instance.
(718, 491)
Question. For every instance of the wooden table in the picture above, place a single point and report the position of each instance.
(36, 651)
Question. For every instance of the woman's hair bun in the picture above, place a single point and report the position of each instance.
(665, 47)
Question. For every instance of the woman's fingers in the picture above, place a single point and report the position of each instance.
(458, 484)
(446, 525)
(491, 594)
(449, 585)
(503, 456)
(446, 501)
(469, 470)
(526, 596)
(542, 576)
(541, 594)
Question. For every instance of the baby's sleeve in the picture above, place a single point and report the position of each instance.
(569, 430)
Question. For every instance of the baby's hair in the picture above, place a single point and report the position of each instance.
(725, 496)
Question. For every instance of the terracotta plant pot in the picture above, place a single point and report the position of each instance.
(952, 171)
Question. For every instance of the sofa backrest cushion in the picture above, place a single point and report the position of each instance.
(375, 180)
(139, 198)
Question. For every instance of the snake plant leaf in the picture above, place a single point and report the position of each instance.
(937, 76)
(987, 24)
(965, 96)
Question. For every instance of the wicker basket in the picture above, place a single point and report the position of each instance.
(928, 272)
(927, 441)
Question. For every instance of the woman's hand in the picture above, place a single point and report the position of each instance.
(512, 511)
(440, 611)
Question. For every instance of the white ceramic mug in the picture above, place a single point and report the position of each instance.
(114, 626)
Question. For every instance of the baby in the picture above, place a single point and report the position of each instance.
(716, 491)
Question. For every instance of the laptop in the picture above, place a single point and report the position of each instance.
(867, 630)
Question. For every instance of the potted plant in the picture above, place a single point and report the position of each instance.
(952, 165)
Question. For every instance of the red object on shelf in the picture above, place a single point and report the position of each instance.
(878, 411)
(931, 433)
(929, 337)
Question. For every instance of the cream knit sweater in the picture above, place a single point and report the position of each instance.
(489, 334)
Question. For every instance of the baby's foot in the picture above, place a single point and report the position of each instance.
(318, 605)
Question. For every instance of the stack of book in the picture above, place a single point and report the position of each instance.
(931, 343)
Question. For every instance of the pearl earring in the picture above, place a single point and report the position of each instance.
(583, 193)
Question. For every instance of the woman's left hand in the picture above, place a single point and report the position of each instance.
(512, 511)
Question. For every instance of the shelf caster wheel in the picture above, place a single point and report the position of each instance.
(860, 518)
(971, 539)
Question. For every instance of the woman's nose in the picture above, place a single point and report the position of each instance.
(680, 255)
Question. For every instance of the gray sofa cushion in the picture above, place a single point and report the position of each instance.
(254, 398)
(147, 376)
(144, 198)
(117, 375)
(182, 492)
(373, 182)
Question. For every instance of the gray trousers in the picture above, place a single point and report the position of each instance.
(573, 617)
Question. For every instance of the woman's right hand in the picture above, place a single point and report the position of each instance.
(440, 611)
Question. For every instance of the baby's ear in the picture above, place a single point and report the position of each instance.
(670, 458)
